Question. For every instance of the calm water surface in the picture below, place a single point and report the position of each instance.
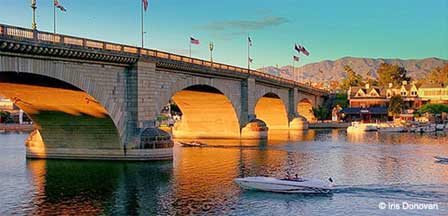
(367, 169)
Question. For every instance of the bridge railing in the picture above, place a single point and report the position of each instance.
(40, 36)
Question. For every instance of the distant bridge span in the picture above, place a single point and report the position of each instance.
(93, 99)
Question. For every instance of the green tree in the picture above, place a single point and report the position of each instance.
(433, 108)
(439, 75)
(6, 117)
(395, 105)
(340, 99)
(352, 79)
(321, 112)
(392, 74)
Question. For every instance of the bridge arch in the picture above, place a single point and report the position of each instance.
(206, 113)
(271, 109)
(229, 88)
(305, 109)
(61, 110)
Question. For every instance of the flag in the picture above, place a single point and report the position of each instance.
(250, 60)
(145, 4)
(194, 41)
(304, 51)
(250, 41)
(56, 4)
(296, 58)
(297, 48)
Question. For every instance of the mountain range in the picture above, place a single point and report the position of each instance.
(334, 70)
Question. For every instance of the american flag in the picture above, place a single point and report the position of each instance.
(56, 4)
(304, 51)
(145, 4)
(194, 41)
(297, 48)
(296, 58)
(250, 41)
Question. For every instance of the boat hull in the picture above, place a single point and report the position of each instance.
(282, 186)
(442, 158)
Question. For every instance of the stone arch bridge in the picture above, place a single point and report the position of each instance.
(92, 99)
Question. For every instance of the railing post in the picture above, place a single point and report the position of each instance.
(35, 35)
(4, 29)
(84, 42)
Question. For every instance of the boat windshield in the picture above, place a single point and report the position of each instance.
(294, 179)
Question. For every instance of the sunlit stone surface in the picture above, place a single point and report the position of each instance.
(70, 124)
(205, 115)
(255, 129)
(299, 123)
(61, 113)
(305, 109)
(273, 112)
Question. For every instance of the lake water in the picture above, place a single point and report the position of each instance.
(369, 170)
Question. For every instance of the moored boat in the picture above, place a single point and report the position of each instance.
(360, 127)
(440, 127)
(391, 128)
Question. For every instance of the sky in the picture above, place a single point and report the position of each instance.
(329, 30)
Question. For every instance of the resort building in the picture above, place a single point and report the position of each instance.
(368, 103)
(434, 93)
(6, 104)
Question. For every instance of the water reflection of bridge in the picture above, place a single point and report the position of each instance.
(201, 179)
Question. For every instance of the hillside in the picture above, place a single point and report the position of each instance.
(334, 70)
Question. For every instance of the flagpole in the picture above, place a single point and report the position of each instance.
(142, 27)
(54, 18)
(190, 45)
(294, 67)
(248, 54)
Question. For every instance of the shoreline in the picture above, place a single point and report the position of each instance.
(329, 125)
(16, 127)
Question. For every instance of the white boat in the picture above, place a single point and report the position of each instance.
(440, 127)
(297, 185)
(192, 144)
(392, 128)
(360, 127)
(441, 158)
(427, 129)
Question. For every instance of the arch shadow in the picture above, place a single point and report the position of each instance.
(66, 117)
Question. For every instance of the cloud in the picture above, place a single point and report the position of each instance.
(236, 27)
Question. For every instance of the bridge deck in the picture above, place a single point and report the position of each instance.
(120, 53)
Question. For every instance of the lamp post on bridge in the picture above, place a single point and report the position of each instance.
(33, 6)
(211, 46)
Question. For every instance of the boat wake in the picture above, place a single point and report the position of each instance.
(437, 193)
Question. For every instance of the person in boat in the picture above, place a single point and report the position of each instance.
(288, 176)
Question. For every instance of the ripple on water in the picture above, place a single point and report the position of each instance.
(367, 170)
